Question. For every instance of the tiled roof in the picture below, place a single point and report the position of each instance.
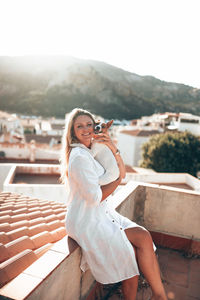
(42, 139)
(139, 132)
(27, 161)
(57, 126)
(28, 228)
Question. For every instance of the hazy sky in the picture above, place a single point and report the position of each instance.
(147, 37)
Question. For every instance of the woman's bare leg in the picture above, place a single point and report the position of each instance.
(141, 239)
(129, 288)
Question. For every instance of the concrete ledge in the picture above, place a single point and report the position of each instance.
(47, 277)
(189, 246)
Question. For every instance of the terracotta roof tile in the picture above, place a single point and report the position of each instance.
(31, 205)
(4, 238)
(62, 222)
(18, 217)
(56, 206)
(5, 212)
(19, 211)
(19, 224)
(16, 233)
(15, 265)
(32, 209)
(51, 218)
(6, 207)
(61, 216)
(18, 206)
(19, 245)
(54, 225)
(58, 234)
(40, 251)
(47, 212)
(34, 214)
(28, 227)
(36, 221)
(45, 207)
(59, 210)
(3, 253)
(35, 229)
(5, 227)
(42, 238)
(5, 219)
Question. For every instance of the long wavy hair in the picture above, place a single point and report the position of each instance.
(69, 138)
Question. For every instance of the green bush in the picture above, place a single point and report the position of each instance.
(172, 152)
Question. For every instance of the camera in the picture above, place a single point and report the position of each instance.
(99, 127)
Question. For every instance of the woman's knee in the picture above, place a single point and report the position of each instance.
(140, 237)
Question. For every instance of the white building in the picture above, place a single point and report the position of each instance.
(188, 122)
(169, 121)
(11, 128)
(130, 143)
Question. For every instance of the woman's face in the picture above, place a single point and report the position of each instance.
(84, 129)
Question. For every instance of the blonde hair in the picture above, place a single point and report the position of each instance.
(69, 138)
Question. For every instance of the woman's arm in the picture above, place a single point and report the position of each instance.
(109, 188)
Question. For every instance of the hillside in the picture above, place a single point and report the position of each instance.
(52, 86)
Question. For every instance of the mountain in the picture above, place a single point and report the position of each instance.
(53, 85)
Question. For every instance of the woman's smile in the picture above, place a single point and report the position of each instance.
(84, 129)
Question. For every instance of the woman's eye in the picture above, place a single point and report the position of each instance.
(89, 125)
(79, 126)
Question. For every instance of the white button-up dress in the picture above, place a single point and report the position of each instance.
(94, 225)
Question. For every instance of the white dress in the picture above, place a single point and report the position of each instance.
(94, 225)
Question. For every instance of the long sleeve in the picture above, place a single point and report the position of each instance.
(82, 173)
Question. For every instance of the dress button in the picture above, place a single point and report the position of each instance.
(113, 221)
(120, 228)
(106, 211)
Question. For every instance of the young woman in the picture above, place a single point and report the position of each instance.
(106, 237)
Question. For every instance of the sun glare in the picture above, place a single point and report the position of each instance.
(146, 37)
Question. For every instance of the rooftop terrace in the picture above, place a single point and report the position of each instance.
(51, 266)
(180, 275)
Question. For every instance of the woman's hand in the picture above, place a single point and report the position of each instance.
(104, 138)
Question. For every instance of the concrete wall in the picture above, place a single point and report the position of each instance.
(24, 151)
(173, 212)
(193, 128)
(4, 170)
(162, 209)
(50, 192)
(164, 178)
(63, 283)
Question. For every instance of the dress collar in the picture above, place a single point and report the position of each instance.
(81, 146)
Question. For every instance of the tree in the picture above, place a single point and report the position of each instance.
(172, 152)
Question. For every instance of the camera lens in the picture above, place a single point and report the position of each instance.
(97, 128)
